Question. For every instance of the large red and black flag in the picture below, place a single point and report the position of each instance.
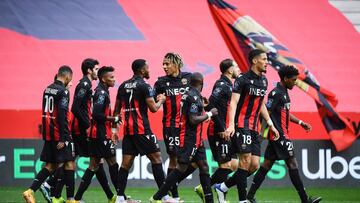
(242, 34)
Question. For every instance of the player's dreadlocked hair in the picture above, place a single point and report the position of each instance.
(288, 71)
(175, 58)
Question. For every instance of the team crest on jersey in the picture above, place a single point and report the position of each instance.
(64, 102)
(269, 103)
(184, 81)
(101, 99)
(81, 92)
(151, 92)
(216, 91)
(194, 108)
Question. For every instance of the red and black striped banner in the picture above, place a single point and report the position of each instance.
(242, 34)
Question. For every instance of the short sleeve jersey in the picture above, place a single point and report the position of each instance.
(252, 89)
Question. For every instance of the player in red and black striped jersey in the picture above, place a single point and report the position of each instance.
(191, 148)
(278, 105)
(58, 151)
(174, 84)
(100, 138)
(247, 102)
(135, 96)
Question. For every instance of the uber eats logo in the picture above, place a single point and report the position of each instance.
(318, 165)
(326, 166)
(26, 165)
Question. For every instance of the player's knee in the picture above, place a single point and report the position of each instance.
(234, 164)
(50, 167)
(204, 169)
(253, 167)
(127, 164)
(182, 167)
(93, 167)
(226, 165)
(292, 164)
(155, 158)
(110, 161)
(245, 162)
(70, 165)
(172, 162)
(194, 165)
(267, 164)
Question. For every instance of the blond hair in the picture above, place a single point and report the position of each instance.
(175, 58)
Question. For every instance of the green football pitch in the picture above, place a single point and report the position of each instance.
(96, 195)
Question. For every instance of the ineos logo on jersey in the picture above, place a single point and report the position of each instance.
(176, 91)
(257, 92)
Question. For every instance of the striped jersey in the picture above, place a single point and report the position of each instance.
(173, 88)
(252, 89)
(55, 113)
(132, 95)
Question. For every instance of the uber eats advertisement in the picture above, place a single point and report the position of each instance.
(319, 165)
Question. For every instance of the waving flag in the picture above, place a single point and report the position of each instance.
(242, 34)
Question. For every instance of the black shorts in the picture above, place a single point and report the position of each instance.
(50, 154)
(246, 141)
(172, 140)
(100, 148)
(189, 153)
(281, 149)
(221, 149)
(139, 144)
(81, 143)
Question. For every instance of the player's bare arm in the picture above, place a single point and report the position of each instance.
(233, 104)
(265, 114)
(303, 124)
(155, 106)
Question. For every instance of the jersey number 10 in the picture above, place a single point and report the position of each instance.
(49, 104)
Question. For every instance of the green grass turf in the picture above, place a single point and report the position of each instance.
(96, 195)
